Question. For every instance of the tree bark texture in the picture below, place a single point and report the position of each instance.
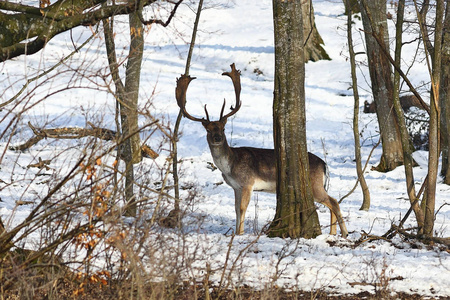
(296, 215)
(433, 149)
(129, 107)
(127, 96)
(405, 138)
(375, 22)
(444, 98)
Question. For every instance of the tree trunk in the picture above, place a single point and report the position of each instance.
(314, 50)
(433, 151)
(296, 215)
(374, 21)
(351, 7)
(128, 109)
(127, 96)
(405, 138)
(365, 189)
(444, 98)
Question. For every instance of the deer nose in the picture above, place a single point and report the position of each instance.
(217, 138)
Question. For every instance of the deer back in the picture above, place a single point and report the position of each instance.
(409, 101)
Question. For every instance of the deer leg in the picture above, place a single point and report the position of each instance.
(332, 204)
(241, 207)
(333, 221)
(237, 207)
(335, 211)
(333, 216)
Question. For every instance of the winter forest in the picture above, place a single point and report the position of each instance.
(223, 149)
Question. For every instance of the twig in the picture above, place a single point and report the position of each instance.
(364, 169)
(425, 239)
(157, 21)
(365, 237)
(44, 73)
(8, 236)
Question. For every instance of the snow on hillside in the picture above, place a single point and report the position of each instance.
(241, 32)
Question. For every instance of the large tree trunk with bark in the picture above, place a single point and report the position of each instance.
(296, 215)
(375, 23)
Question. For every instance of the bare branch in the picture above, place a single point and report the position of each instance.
(91, 17)
(44, 73)
(157, 21)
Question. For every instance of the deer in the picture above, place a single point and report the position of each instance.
(406, 102)
(248, 169)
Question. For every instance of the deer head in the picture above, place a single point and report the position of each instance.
(215, 129)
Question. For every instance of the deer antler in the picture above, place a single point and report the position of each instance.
(183, 83)
(235, 76)
(180, 94)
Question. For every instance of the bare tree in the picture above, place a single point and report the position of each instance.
(75, 220)
(444, 97)
(405, 139)
(295, 213)
(365, 189)
(433, 151)
(127, 99)
(375, 23)
(44, 22)
(433, 53)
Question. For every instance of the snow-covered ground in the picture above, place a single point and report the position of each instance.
(239, 32)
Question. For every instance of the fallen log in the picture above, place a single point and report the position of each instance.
(75, 133)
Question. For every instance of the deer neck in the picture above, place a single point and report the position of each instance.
(223, 156)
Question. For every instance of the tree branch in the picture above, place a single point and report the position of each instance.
(16, 7)
(157, 21)
(90, 18)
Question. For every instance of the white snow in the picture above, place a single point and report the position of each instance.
(239, 32)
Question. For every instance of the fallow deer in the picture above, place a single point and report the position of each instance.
(406, 102)
(248, 169)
